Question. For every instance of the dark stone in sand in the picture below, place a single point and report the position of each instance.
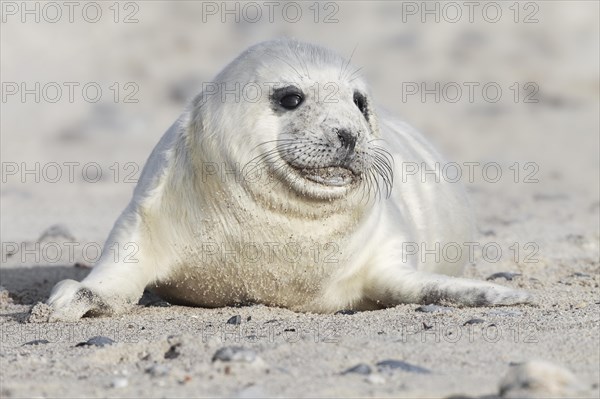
(506, 275)
(172, 353)
(346, 311)
(97, 341)
(234, 354)
(391, 365)
(361, 368)
(37, 342)
(473, 321)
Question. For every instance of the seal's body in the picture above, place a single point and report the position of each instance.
(282, 192)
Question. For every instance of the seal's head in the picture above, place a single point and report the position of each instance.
(305, 114)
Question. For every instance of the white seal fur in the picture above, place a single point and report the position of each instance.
(322, 226)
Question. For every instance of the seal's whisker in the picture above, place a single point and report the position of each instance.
(281, 144)
(372, 185)
(274, 141)
(383, 150)
(348, 62)
(387, 171)
(284, 163)
(302, 63)
(356, 72)
(368, 187)
(267, 156)
(286, 62)
(361, 191)
(375, 185)
(383, 172)
(388, 185)
(385, 158)
(384, 162)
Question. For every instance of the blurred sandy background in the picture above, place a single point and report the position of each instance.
(165, 54)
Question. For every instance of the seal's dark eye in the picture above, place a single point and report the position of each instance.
(361, 102)
(291, 101)
(288, 97)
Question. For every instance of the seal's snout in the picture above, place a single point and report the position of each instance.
(347, 139)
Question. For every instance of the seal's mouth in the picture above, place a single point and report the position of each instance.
(335, 176)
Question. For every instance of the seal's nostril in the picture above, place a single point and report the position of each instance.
(347, 139)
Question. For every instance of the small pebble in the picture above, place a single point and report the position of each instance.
(173, 353)
(433, 309)
(473, 321)
(361, 368)
(500, 312)
(390, 365)
(505, 275)
(37, 342)
(151, 299)
(237, 320)
(578, 274)
(97, 341)
(234, 354)
(158, 370)
(119, 383)
(346, 311)
(158, 304)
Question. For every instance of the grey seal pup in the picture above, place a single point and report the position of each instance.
(276, 186)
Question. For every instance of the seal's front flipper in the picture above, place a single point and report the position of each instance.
(395, 285)
(467, 292)
(115, 283)
(110, 288)
(71, 300)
